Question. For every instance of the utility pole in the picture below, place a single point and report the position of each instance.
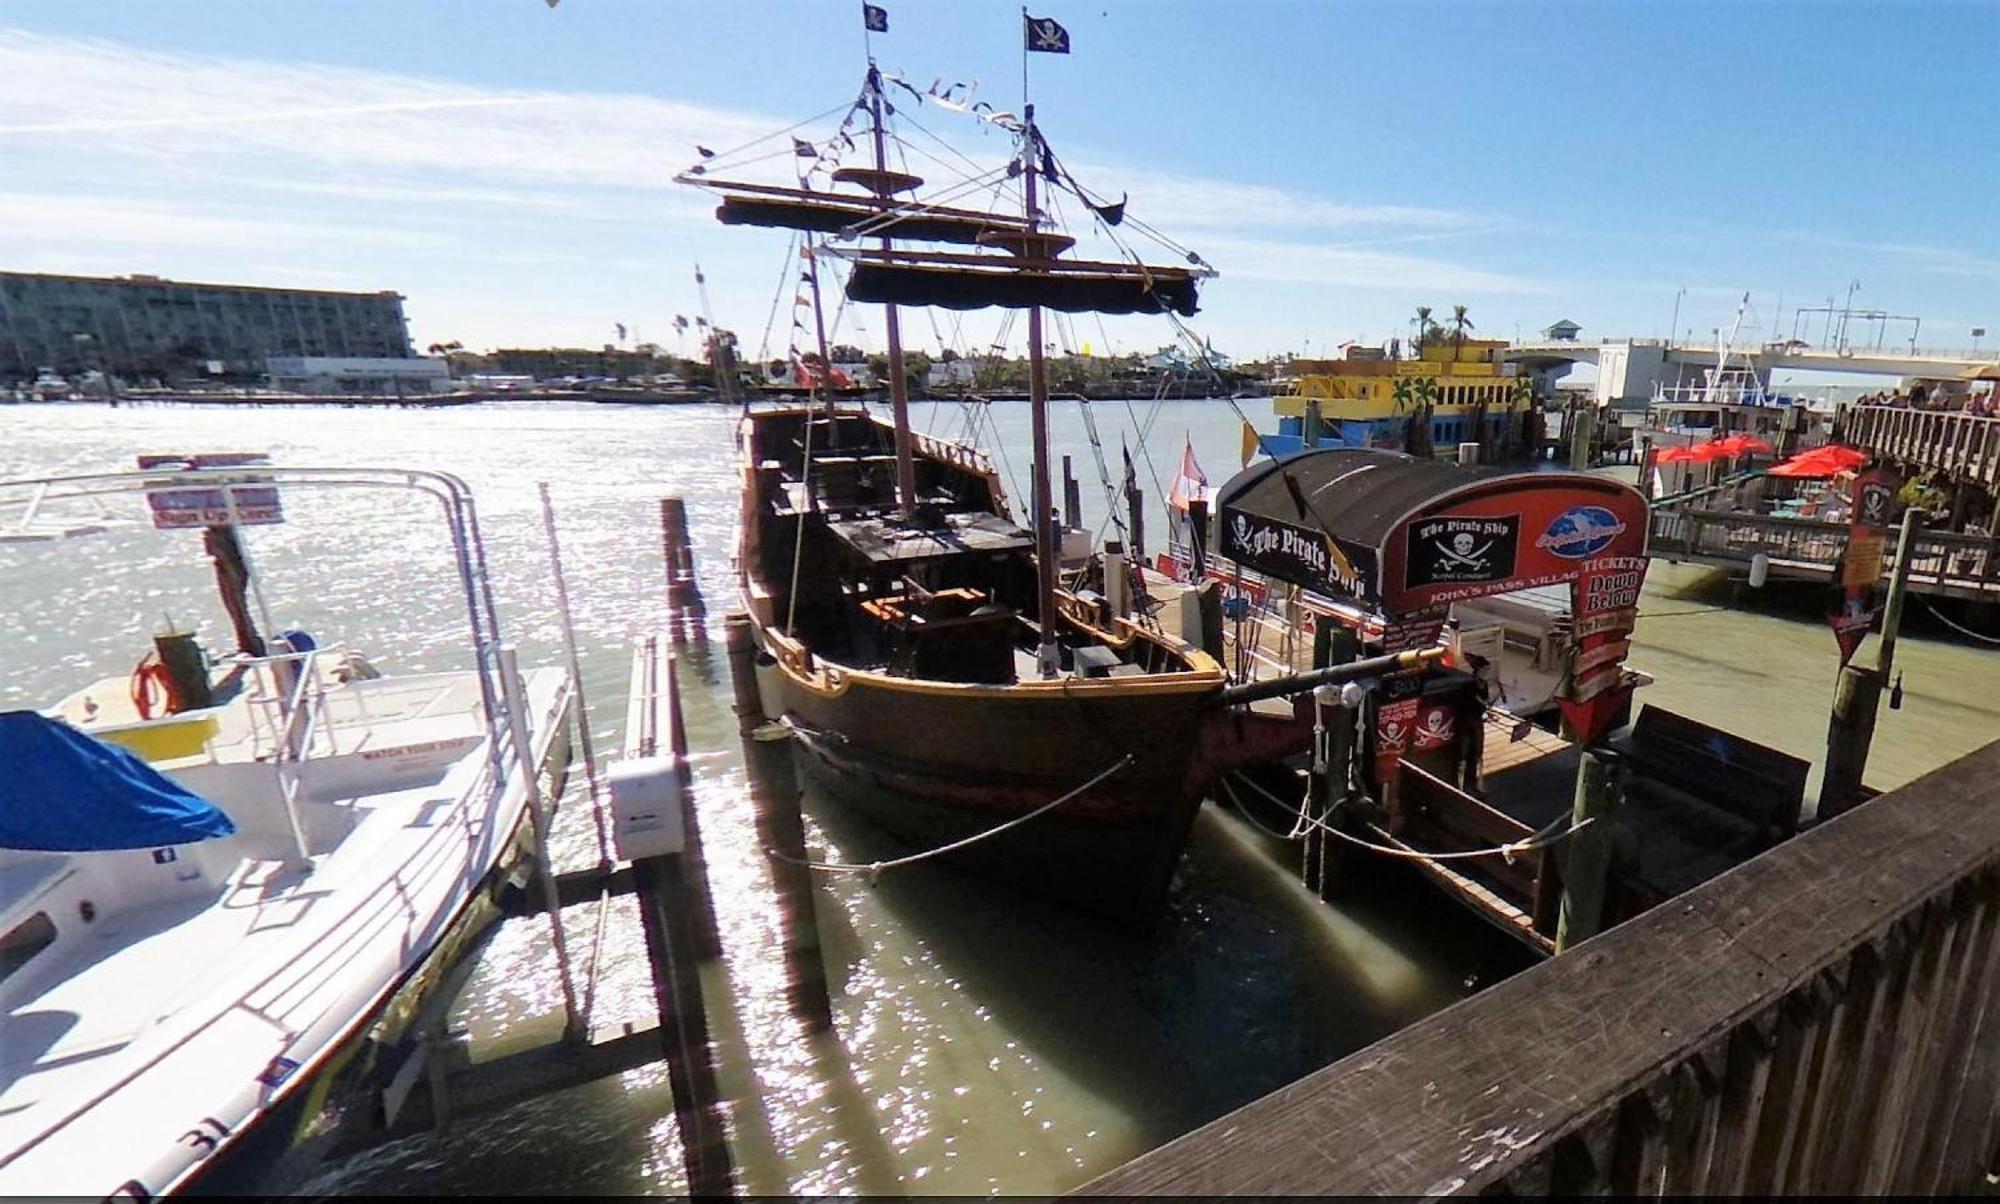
(1857, 695)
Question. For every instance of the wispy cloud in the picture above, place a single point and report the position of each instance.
(438, 187)
(1943, 261)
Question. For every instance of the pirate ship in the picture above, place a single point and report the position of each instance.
(937, 672)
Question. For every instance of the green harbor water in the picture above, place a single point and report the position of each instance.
(984, 1042)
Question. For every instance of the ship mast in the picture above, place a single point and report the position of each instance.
(1038, 410)
(899, 385)
(825, 373)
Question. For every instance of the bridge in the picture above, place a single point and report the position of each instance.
(1934, 365)
(1823, 1019)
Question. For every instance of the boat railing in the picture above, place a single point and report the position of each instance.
(276, 687)
(305, 713)
(41, 502)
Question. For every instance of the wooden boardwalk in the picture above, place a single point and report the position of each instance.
(1962, 446)
(1824, 1018)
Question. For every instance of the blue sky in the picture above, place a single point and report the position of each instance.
(508, 167)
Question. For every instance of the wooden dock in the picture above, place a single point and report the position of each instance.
(1824, 1018)
(1948, 565)
(1961, 446)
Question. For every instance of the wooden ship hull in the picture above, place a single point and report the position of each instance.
(936, 726)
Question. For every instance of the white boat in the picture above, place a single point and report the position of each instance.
(162, 1002)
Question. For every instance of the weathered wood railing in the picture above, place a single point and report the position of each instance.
(1946, 563)
(1823, 1018)
(1962, 445)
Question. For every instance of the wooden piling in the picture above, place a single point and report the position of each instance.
(666, 912)
(1856, 697)
(1072, 497)
(1582, 430)
(775, 799)
(1586, 869)
(741, 644)
(1208, 596)
(676, 910)
(707, 931)
(685, 608)
(1858, 692)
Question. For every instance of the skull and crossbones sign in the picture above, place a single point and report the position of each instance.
(1462, 554)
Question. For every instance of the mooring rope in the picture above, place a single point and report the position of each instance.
(875, 867)
(1962, 630)
(1540, 839)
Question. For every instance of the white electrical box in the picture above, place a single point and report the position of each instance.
(645, 808)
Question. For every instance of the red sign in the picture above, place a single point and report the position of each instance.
(1858, 596)
(1509, 534)
(1436, 726)
(1395, 724)
(1604, 603)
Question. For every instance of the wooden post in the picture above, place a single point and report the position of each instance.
(685, 609)
(774, 798)
(1320, 773)
(707, 932)
(666, 912)
(1197, 518)
(1333, 790)
(1583, 428)
(1586, 869)
(1072, 498)
(1857, 694)
(1208, 596)
(741, 644)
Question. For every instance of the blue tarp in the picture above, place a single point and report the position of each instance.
(64, 791)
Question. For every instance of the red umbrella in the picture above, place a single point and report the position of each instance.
(1737, 445)
(1826, 461)
(1700, 453)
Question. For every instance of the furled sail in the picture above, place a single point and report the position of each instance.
(1114, 289)
(833, 217)
(832, 213)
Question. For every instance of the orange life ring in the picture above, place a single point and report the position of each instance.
(151, 687)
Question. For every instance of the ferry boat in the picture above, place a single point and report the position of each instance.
(222, 880)
(1451, 391)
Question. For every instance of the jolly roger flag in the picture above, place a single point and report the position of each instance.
(1045, 36)
(875, 17)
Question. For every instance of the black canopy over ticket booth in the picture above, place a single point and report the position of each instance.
(1402, 538)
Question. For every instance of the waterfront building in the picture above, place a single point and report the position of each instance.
(352, 375)
(145, 328)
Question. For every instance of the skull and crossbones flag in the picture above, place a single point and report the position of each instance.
(875, 18)
(1045, 36)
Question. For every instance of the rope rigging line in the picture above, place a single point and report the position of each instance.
(875, 867)
(1541, 838)
(785, 272)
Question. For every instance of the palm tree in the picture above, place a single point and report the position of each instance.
(1459, 325)
(1423, 327)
